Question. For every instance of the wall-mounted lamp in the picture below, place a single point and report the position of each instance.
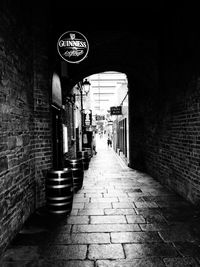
(84, 86)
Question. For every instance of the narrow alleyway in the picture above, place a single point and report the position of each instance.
(120, 218)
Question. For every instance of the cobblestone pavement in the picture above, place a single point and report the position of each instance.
(120, 218)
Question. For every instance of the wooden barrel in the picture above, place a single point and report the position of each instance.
(59, 191)
(76, 165)
(82, 153)
(88, 150)
(85, 158)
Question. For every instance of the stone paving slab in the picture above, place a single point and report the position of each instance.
(131, 199)
(104, 199)
(91, 211)
(77, 205)
(19, 253)
(135, 237)
(154, 226)
(187, 249)
(119, 211)
(97, 205)
(50, 263)
(153, 262)
(177, 235)
(108, 219)
(135, 219)
(82, 238)
(81, 199)
(111, 251)
(122, 205)
(70, 263)
(78, 220)
(146, 205)
(145, 250)
(180, 262)
(142, 194)
(65, 252)
(105, 228)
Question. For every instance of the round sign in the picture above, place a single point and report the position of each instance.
(73, 46)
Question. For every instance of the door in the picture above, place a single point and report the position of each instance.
(57, 138)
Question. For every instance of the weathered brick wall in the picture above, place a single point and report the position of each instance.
(17, 161)
(25, 121)
(165, 139)
(136, 125)
(173, 142)
(42, 111)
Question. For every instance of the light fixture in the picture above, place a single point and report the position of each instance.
(86, 86)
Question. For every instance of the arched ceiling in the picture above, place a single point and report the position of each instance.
(135, 41)
(119, 40)
(122, 52)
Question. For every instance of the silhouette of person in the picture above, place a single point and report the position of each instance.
(109, 142)
(94, 144)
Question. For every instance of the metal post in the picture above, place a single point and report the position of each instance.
(81, 92)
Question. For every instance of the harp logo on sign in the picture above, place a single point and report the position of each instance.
(87, 117)
(73, 46)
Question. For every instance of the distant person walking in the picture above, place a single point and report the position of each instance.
(94, 144)
(109, 142)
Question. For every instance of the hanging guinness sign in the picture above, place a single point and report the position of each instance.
(73, 46)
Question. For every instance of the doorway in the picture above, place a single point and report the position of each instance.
(57, 137)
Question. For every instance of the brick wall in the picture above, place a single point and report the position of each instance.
(174, 143)
(165, 140)
(42, 109)
(25, 128)
(16, 127)
(136, 126)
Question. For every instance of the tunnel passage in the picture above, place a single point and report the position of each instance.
(163, 77)
(162, 65)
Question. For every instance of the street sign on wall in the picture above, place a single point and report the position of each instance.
(99, 117)
(116, 110)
